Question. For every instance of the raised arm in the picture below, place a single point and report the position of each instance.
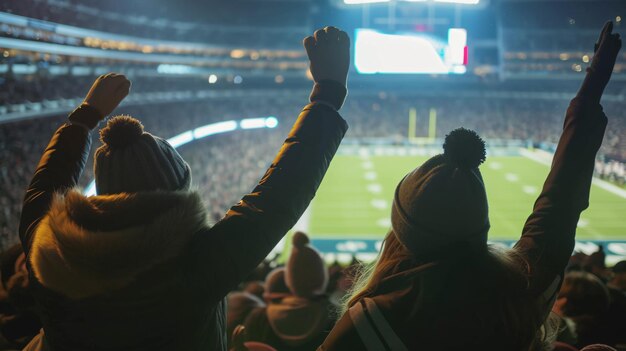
(65, 156)
(250, 229)
(548, 237)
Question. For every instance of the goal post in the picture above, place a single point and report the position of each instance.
(414, 136)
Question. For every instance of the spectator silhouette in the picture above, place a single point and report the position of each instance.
(438, 285)
(138, 267)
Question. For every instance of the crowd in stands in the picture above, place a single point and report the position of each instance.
(16, 90)
(384, 116)
(234, 29)
(101, 272)
(275, 307)
(292, 304)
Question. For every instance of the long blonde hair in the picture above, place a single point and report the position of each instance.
(493, 281)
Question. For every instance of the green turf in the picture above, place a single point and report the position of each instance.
(344, 207)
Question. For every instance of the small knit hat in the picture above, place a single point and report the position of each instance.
(305, 273)
(275, 286)
(620, 267)
(440, 208)
(131, 160)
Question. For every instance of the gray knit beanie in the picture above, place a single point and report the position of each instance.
(131, 160)
(441, 207)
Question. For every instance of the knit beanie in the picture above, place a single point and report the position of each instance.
(131, 160)
(620, 267)
(305, 273)
(440, 208)
(597, 259)
(275, 286)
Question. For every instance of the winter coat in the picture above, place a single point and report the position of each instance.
(293, 324)
(144, 271)
(546, 245)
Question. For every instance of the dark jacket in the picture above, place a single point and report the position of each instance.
(293, 324)
(144, 271)
(546, 245)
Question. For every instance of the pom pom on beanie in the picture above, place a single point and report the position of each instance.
(121, 131)
(464, 148)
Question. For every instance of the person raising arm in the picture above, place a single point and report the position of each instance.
(137, 267)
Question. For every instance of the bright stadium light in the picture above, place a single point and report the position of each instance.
(212, 79)
(457, 46)
(359, 2)
(410, 53)
(261, 122)
(173, 69)
(377, 52)
(204, 131)
(271, 122)
(466, 2)
(252, 123)
(364, 2)
(181, 139)
(215, 128)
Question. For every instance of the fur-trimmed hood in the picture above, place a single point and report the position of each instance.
(86, 246)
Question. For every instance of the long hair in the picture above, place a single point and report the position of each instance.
(480, 295)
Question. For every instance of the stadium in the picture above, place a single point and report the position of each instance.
(224, 81)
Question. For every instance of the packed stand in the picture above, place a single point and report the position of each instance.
(132, 20)
(533, 122)
(104, 270)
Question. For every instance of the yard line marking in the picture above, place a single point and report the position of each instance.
(529, 189)
(367, 165)
(374, 188)
(609, 187)
(596, 234)
(384, 222)
(495, 165)
(545, 158)
(370, 175)
(511, 177)
(379, 204)
(364, 153)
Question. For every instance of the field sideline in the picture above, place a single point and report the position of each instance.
(354, 200)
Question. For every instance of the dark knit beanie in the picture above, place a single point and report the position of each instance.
(441, 207)
(620, 267)
(275, 286)
(305, 274)
(131, 160)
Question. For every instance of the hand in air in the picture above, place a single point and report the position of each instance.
(606, 51)
(107, 92)
(329, 53)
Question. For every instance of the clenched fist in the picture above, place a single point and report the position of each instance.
(329, 52)
(107, 92)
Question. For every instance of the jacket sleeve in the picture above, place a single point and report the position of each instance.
(250, 230)
(58, 170)
(547, 241)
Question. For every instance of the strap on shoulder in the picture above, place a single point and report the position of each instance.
(390, 337)
(373, 328)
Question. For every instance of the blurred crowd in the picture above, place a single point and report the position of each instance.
(292, 303)
(225, 166)
(157, 22)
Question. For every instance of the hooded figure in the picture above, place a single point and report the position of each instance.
(301, 319)
(438, 285)
(138, 267)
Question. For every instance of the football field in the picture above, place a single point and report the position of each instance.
(354, 200)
